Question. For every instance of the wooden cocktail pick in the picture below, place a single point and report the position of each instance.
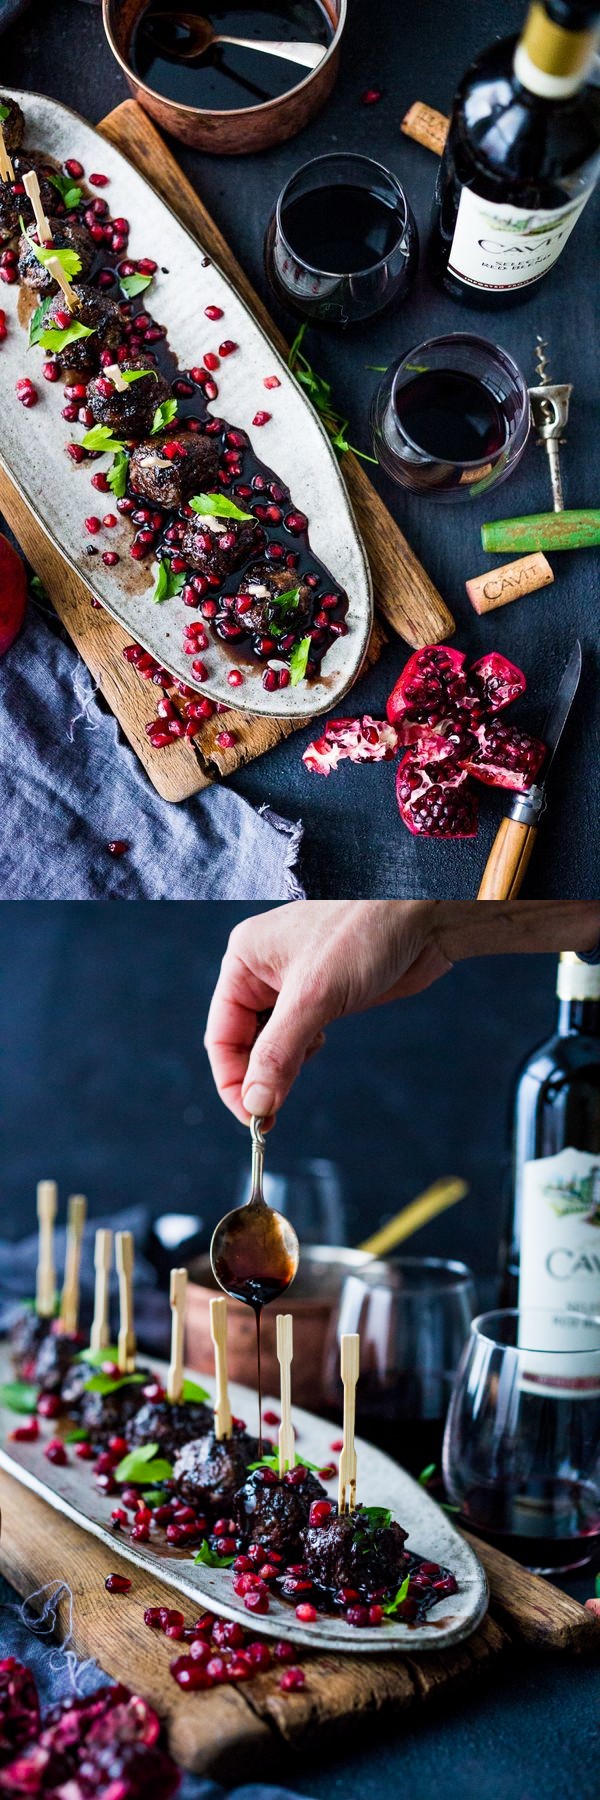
(7, 172)
(350, 1350)
(126, 1338)
(69, 1304)
(218, 1332)
(285, 1351)
(56, 269)
(100, 1332)
(178, 1294)
(32, 189)
(47, 1198)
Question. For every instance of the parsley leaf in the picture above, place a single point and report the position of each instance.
(36, 322)
(142, 1464)
(101, 438)
(109, 1384)
(210, 1557)
(69, 261)
(217, 506)
(131, 285)
(298, 660)
(319, 391)
(167, 584)
(117, 474)
(77, 1436)
(97, 1357)
(164, 415)
(20, 1396)
(4, 112)
(393, 1606)
(427, 1475)
(58, 340)
(287, 601)
(272, 1462)
(376, 1517)
(68, 190)
(129, 375)
(191, 1391)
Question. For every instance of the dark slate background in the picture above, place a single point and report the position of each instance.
(106, 1086)
(355, 843)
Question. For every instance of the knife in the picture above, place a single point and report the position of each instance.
(513, 844)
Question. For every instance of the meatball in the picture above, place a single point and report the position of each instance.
(210, 1469)
(216, 546)
(9, 211)
(255, 603)
(274, 1513)
(103, 318)
(13, 126)
(348, 1550)
(54, 1358)
(48, 193)
(106, 1415)
(170, 1424)
(64, 237)
(167, 470)
(26, 1337)
(129, 411)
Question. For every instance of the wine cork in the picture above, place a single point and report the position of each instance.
(500, 586)
(426, 126)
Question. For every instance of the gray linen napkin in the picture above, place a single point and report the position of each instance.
(69, 784)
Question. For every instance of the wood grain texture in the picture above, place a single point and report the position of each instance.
(507, 863)
(533, 1609)
(215, 1733)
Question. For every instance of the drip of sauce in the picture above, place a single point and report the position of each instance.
(254, 1253)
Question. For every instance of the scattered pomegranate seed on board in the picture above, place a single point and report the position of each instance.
(117, 1584)
(99, 181)
(261, 418)
(117, 847)
(370, 96)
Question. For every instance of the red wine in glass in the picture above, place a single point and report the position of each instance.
(341, 244)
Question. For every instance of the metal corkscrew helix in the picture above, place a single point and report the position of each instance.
(550, 410)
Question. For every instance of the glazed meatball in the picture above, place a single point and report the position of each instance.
(128, 411)
(216, 546)
(48, 193)
(13, 126)
(167, 471)
(26, 1337)
(104, 320)
(210, 1470)
(255, 603)
(9, 212)
(55, 1357)
(170, 1424)
(346, 1550)
(273, 1512)
(105, 1415)
(64, 237)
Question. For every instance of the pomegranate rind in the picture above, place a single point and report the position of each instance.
(13, 594)
(19, 1706)
(505, 757)
(426, 786)
(497, 680)
(422, 688)
(358, 740)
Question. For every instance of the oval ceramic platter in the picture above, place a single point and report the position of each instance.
(381, 1482)
(294, 443)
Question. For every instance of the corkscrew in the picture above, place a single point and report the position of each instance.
(550, 411)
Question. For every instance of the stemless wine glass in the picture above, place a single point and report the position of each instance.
(310, 1194)
(452, 419)
(522, 1441)
(341, 243)
(412, 1315)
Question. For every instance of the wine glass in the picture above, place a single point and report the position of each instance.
(452, 418)
(412, 1315)
(341, 243)
(522, 1443)
(310, 1195)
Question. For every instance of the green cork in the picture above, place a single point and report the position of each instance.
(544, 531)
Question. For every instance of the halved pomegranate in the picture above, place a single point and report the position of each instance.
(435, 798)
(496, 680)
(19, 1707)
(432, 684)
(505, 757)
(361, 740)
(13, 594)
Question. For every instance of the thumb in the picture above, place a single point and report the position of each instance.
(292, 1030)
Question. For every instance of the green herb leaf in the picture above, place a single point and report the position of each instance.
(210, 1557)
(319, 392)
(117, 474)
(131, 285)
(377, 1517)
(68, 190)
(78, 1436)
(4, 112)
(427, 1475)
(109, 1384)
(392, 1606)
(36, 322)
(272, 1462)
(164, 415)
(217, 506)
(287, 601)
(191, 1391)
(97, 1357)
(129, 375)
(142, 1464)
(298, 660)
(20, 1396)
(101, 438)
(154, 1496)
(58, 340)
(69, 261)
(167, 584)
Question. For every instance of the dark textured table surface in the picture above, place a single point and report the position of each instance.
(355, 842)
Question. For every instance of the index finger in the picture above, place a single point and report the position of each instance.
(240, 996)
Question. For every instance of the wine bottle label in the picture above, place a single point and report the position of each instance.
(560, 1260)
(499, 247)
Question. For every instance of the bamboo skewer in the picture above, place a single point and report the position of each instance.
(32, 190)
(100, 1332)
(350, 1351)
(56, 269)
(426, 1206)
(178, 1292)
(47, 1197)
(218, 1332)
(126, 1338)
(7, 172)
(69, 1304)
(285, 1351)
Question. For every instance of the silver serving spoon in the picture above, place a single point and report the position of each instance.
(202, 37)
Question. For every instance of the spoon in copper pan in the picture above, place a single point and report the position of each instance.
(201, 38)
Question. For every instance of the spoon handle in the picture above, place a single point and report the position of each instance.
(258, 1157)
(307, 55)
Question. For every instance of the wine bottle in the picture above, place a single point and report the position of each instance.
(521, 157)
(553, 1254)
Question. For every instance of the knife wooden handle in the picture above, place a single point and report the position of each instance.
(507, 862)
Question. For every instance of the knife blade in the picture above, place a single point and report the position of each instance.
(515, 839)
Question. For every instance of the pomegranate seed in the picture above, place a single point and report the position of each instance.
(174, 1631)
(123, 225)
(226, 740)
(49, 1405)
(284, 678)
(357, 1615)
(235, 678)
(210, 360)
(109, 520)
(306, 1613)
(319, 1512)
(110, 557)
(296, 522)
(338, 1444)
(211, 390)
(104, 1463)
(256, 1600)
(371, 96)
(85, 1451)
(8, 274)
(100, 483)
(271, 381)
(213, 312)
(117, 1584)
(375, 1615)
(50, 371)
(291, 1680)
(269, 682)
(70, 412)
(107, 1483)
(152, 1618)
(146, 264)
(92, 524)
(26, 392)
(55, 1452)
(73, 168)
(328, 1473)
(260, 1655)
(119, 1516)
(25, 1434)
(261, 418)
(227, 347)
(99, 180)
(189, 1675)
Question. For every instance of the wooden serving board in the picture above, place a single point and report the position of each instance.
(214, 1733)
(406, 597)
